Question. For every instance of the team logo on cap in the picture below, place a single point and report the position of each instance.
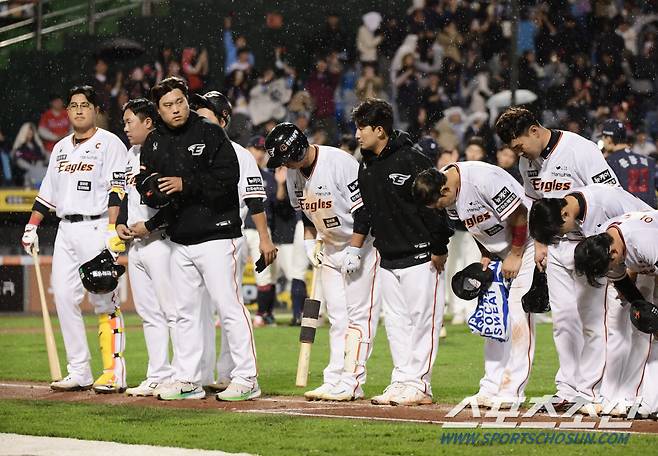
(270, 152)
(283, 147)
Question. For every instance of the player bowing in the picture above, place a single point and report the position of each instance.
(582, 213)
(492, 206)
(552, 163)
(323, 183)
(627, 245)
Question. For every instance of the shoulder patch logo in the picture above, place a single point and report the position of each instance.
(602, 177)
(353, 186)
(196, 149)
(399, 179)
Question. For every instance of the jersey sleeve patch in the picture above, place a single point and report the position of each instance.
(254, 181)
(353, 186)
(602, 177)
(504, 199)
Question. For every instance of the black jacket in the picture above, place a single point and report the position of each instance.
(405, 233)
(201, 154)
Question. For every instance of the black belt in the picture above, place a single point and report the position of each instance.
(79, 218)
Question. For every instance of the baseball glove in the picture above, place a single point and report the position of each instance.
(151, 194)
(644, 316)
(536, 299)
(471, 281)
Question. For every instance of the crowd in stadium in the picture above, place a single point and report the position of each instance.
(445, 67)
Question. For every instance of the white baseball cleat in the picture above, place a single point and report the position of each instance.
(316, 394)
(342, 393)
(236, 392)
(410, 395)
(68, 384)
(178, 390)
(482, 400)
(385, 397)
(219, 386)
(443, 333)
(146, 388)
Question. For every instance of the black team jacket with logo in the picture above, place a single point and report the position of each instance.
(405, 233)
(201, 153)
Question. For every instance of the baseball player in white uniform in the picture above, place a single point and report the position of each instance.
(579, 214)
(552, 163)
(322, 182)
(83, 185)
(148, 257)
(494, 209)
(627, 248)
(215, 107)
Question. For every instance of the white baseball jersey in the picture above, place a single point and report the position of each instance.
(603, 202)
(568, 162)
(137, 212)
(639, 231)
(329, 196)
(250, 184)
(80, 177)
(487, 196)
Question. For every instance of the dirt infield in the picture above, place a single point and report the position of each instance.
(362, 410)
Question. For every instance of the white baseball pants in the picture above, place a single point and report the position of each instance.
(413, 300)
(150, 282)
(352, 301)
(507, 365)
(579, 325)
(75, 244)
(213, 266)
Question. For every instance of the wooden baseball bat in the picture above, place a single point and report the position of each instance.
(51, 348)
(310, 315)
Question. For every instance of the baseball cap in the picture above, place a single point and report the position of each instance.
(429, 147)
(256, 141)
(614, 128)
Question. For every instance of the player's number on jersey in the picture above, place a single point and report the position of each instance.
(646, 219)
(638, 180)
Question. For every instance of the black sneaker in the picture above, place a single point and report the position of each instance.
(296, 321)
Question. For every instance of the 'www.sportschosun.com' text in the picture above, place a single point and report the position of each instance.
(539, 438)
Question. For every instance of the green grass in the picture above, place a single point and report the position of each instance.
(265, 435)
(456, 373)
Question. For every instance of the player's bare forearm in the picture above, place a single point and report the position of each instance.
(310, 232)
(112, 214)
(518, 223)
(357, 240)
(260, 221)
(36, 217)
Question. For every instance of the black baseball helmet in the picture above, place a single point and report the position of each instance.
(471, 281)
(151, 194)
(100, 275)
(286, 142)
(216, 102)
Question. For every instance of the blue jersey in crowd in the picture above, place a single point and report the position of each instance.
(636, 173)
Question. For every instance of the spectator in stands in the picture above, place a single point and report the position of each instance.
(165, 56)
(452, 128)
(407, 83)
(369, 85)
(321, 85)
(29, 156)
(369, 37)
(268, 97)
(54, 123)
(194, 64)
(475, 150)
(333, 38)
(643, 144)
(506, 159)
(6, 173)
(237, 55)
(137, 85)
(478, 126)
